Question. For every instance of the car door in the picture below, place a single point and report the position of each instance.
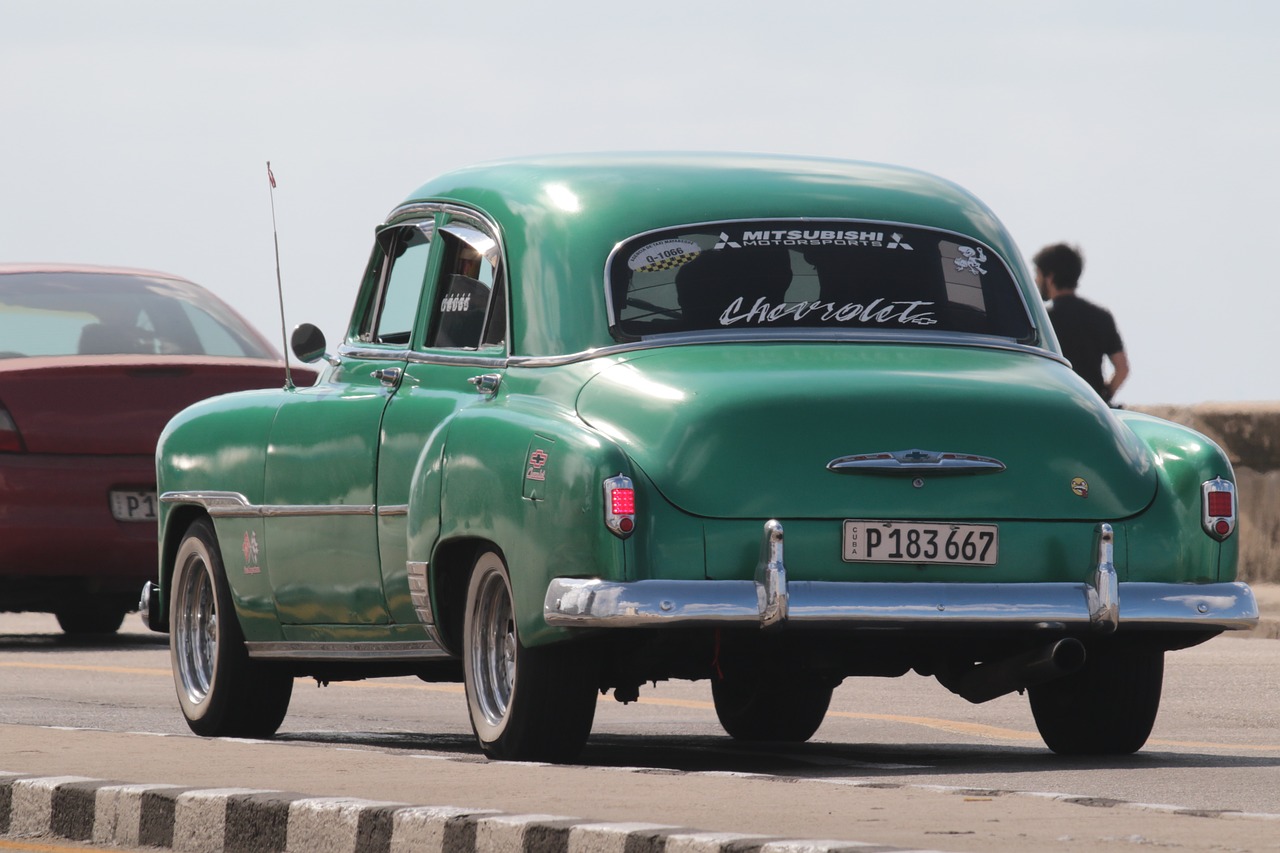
(320, 501)
(457, 363)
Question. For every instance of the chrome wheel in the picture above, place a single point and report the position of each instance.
(195, 622)
(526, 704)
(493, 647)
(223, 693)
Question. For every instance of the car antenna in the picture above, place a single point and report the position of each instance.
(275, 236)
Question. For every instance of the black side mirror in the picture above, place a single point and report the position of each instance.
(307, 343)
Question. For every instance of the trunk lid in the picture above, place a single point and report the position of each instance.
(731, 431)
(118, 404)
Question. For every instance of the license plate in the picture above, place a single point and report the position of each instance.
(133, 506)
(920, 542)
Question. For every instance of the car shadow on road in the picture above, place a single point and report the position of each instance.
(814, 760)
(57, 642)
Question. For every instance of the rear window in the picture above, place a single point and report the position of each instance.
(89, 313)
(814, 274)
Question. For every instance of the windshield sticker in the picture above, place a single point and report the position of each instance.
(816, 237)
(876, 311)
(663, 255)
(971, 261)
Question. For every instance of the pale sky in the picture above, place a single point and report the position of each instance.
(135, 132)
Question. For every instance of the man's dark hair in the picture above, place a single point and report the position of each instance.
(1063, 262)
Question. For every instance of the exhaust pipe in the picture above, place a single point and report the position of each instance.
(987, 681)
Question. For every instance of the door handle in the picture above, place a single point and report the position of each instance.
(388, 376)
(487, 383)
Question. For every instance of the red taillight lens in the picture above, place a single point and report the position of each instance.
(1218, 507)
(620, 506)
(623, 501)
(10, 438)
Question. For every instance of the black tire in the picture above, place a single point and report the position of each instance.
(1107, 707)
(90, 620)
(223, 693)
(753, 707)
(526, 704)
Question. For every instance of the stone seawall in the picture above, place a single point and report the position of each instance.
(1250, 435)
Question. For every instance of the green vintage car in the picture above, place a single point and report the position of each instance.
(772, 422)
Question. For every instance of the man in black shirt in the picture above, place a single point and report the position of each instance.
(1086, 331)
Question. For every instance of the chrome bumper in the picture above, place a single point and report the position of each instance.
(1104, 605)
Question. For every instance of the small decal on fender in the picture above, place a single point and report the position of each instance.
(250, 550)
(1080, 486)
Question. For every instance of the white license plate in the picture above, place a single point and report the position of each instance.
(920, 542)
(133, 506)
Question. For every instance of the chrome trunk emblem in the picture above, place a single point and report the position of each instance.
(914, 462)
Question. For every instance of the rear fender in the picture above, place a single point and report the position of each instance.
(1167, 542)
(527, 481)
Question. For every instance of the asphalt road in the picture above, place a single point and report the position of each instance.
(899, 762)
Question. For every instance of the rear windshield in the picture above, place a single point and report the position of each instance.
(92, 313)
(824, 274)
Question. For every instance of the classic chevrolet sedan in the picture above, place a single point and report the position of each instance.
(772, 422)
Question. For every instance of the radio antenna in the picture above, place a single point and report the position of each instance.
(275, 236)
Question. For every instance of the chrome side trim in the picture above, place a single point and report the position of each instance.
(420, 595)
(393, 510)
(914, 462)
(236, 505)
(358, 651)
(771, 600)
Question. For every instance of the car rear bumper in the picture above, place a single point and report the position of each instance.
(56, 521)
(1105, 605)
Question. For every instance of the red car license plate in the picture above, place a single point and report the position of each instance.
(920, 542)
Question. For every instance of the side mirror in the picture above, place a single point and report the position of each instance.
(308, 344)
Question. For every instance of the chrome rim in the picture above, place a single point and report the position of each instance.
(195, 629)
(493, 648)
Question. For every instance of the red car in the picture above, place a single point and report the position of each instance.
(93, 363)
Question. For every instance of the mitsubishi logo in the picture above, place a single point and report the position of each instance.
(725, 241)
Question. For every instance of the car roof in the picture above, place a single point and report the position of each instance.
(651, 190)
(559, 217)
(98, 269)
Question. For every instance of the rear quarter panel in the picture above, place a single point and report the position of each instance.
(1167, 542)
(475, 483)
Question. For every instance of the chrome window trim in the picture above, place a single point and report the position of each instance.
(236, 505)
(799, 336)
(362, 353)
(635, 238)
(480, 224)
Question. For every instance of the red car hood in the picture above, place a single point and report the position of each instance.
(119, 404)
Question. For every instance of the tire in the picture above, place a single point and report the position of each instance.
(1107, 707)
(526, 704)
(88, 620)
(222, 692)
(752, 707)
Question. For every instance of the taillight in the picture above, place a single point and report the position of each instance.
(620, 506)
(10, 438)
(1218, 507)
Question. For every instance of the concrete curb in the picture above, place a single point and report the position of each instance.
(241, 819)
